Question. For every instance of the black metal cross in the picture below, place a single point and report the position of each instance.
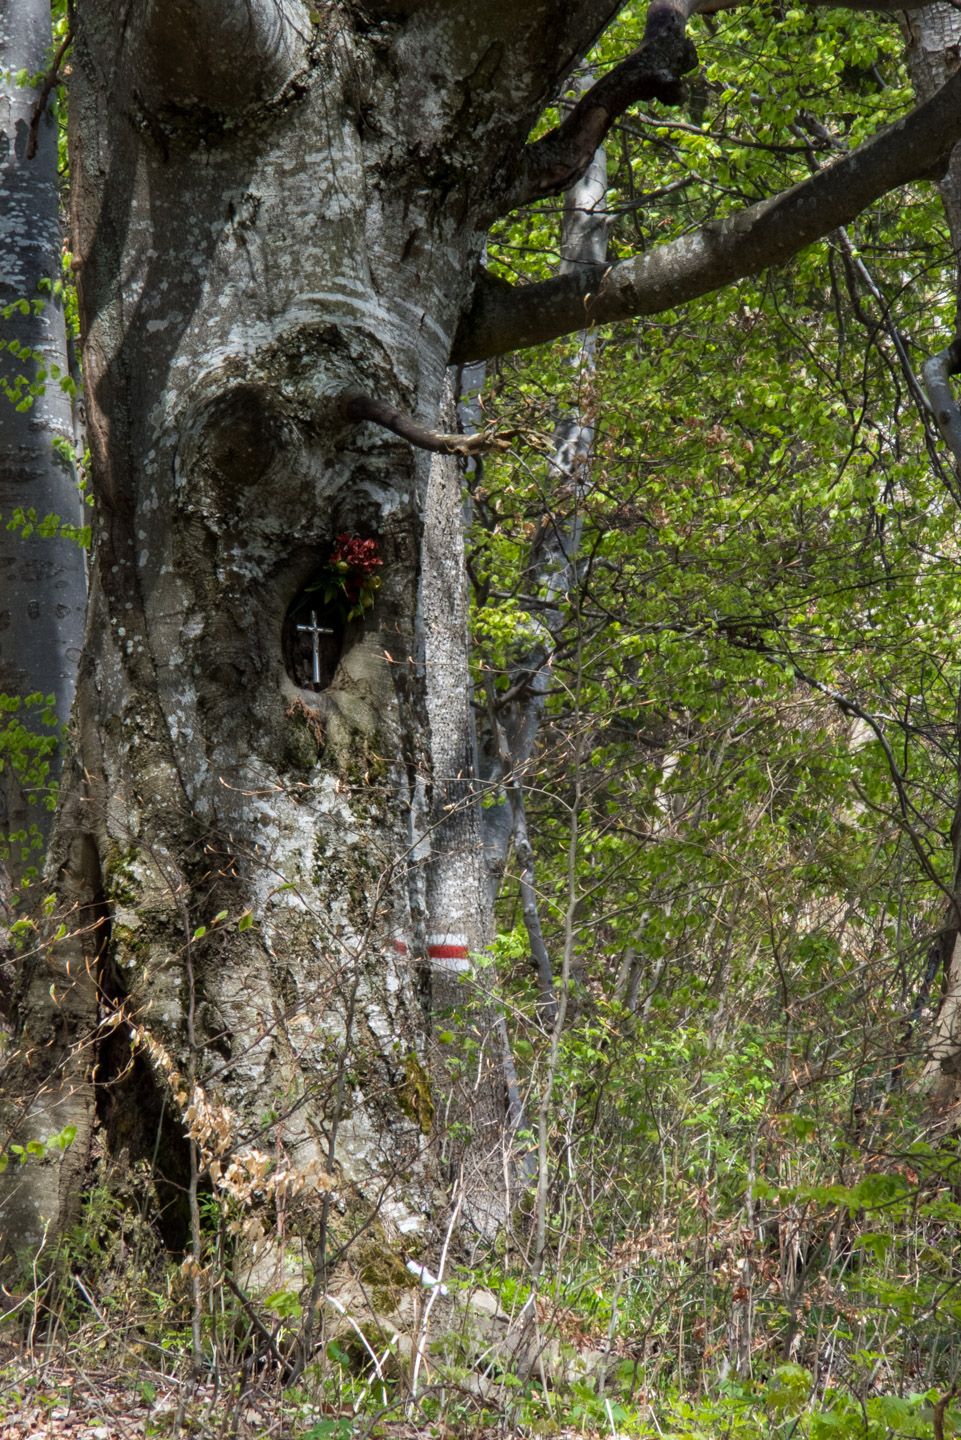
(315, 631)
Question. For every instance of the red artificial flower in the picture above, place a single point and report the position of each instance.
(351, 573)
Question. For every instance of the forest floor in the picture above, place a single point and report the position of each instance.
(66, 1394)
(79, 1390)
(82, 1389)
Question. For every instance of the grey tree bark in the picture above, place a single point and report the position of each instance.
(455, 878)
(256, 241)
(42, 580)
(276, 209)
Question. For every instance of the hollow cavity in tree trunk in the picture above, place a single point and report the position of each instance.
(313, 640)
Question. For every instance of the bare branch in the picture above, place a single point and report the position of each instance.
(849, 706)
(365, 407)
(505, 317)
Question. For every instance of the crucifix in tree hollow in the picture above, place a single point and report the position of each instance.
(315, 631)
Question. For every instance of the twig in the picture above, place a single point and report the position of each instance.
(137, 1359)
(435, 1291)
(25, 1299)
(196, 1237)
(331, 1300)
(254, 1319)
(849, 706)
(37, 1284)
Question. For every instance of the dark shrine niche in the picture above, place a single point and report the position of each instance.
(313, 639)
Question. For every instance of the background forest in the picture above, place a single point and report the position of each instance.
(725, 548)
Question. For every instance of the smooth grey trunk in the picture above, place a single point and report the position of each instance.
(524, 852)
(245, 861)
(42, 580)
(459, 915)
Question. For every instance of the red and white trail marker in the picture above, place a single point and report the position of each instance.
(448, 952)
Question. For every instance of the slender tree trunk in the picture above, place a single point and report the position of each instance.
(511, 735)
(933, 37)
(552, 564)
(42, 580)
(457, 892)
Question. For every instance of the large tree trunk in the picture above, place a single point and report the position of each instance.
(42, 580)
(277, 207)
(271, 211)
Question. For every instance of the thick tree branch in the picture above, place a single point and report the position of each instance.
(937, 382)
(504, 317)
(652, 72)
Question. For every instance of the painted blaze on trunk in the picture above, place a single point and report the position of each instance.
(272, 208)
